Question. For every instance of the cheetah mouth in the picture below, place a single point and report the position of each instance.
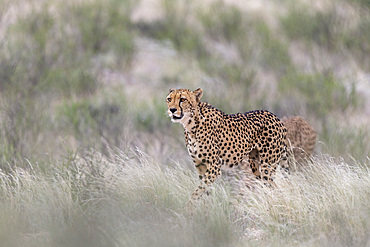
(176, 117)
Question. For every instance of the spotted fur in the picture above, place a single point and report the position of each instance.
(214, 138)
(301, 137)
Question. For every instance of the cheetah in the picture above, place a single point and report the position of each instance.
(301, 138)
(214, 139)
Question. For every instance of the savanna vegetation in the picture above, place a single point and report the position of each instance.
(88, 156)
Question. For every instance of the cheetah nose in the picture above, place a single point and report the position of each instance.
(173, 110)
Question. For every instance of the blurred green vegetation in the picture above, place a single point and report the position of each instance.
(329, 30)
(364, 3)
(313, 28)
(321, 94)
(53, 60)
(174, 27)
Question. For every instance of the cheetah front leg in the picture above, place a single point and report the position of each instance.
(207, 177)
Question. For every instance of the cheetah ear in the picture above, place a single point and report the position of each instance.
(172, 89)
(198, 93)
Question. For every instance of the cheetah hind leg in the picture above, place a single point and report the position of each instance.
(268, 172)
(285, 163)
(251, 168)
(249, 179)
(254, 163)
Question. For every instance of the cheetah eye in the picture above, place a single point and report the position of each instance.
(169, 100)
(182, 100)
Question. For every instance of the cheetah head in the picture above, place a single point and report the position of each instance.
(182, 103)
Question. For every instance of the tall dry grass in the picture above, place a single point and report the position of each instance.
(130, 199)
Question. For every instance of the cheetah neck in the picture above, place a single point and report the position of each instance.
(190, 120)
(197, 118)
(191, 125)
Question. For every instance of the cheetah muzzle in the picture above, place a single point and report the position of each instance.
(172, 112)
